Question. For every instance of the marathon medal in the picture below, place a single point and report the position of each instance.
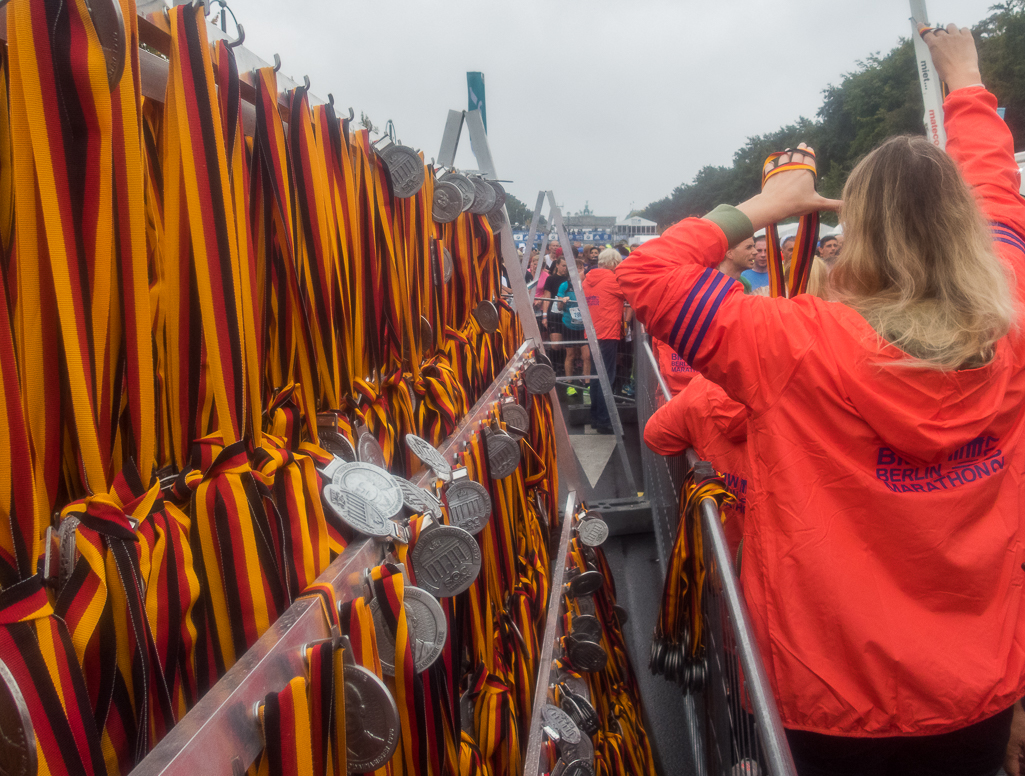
(418, 500)
(429, 456)
(586, 655)
(582, 712)
(621, 614)
(67, 551)
(541, 358)
(593, 531)
(357, 512)
(369, 449)
(465, 186)
(516, 419)
(448, 267)
(499, 190)
(496, 218)
(469, 505)
(405, 169)
(371, 720)
(561, 724)
(503, 454)
(573, 768)
(446, 560)
(487, 316)
(447, 203)
(483, 196)
(587, 627)
(109, 24)
(371, 483)
(588, 583)
(539, 378)
(17, 737)
(336, 444)
(427, 627)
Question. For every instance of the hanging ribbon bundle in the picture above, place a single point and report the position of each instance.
(788, 275)
(677, 648)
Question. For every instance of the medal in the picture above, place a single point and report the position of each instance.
(17, 738)
(593, 531)
(588, 583)
(469, 505)
(447, 203)
(539, 378)
(429, 456)
(587, 627)
(356, 512)
(503, 454)
(448, 268)
(405, 169)
(586, 655)
(371, 721)
(371, 483)
(561, 724)
(418, 500)
(487, 316)
(427, 630)
(370, 449)
(516, 418)
(483, 196)
(499, 190)
(465, 186)
(446, 560)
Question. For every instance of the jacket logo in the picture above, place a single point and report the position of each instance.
(976, 460)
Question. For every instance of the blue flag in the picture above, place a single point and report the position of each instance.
(475, 91)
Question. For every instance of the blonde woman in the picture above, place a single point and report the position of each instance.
(605, 304)
(882, 538)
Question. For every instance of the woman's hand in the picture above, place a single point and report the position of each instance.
(787, 194)
(954, 55)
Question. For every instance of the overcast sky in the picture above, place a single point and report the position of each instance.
(611, 102)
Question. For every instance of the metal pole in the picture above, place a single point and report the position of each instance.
(932, 90)
(596, 358)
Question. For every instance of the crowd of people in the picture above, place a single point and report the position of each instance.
(872, 431)
(561, 320)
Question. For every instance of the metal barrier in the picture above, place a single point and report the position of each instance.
(734, 725)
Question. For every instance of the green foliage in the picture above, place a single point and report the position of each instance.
(519, 213)
(880, 99)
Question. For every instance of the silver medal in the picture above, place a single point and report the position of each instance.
(541, 358)
(357, 512)
(419, 500)
(499, 190)
(573, 768)
(448, 266)
(588, 583)
(17, 738)
(429, 456)
(487, 316)
(372, 483)
(446, 560)
(586, 655)
(516, 419)
(539, 378)
(483, 197)
(427, 630)
(335, 443)
(109, 24)
(426, 336)
(561, 722)
(448, 202)
(371, 721)
(465, 186)
(503, 455)
(67, 551)
(405, 169)
(593, 531)
(496, 218)
(369, 449)
(469, 505)
(587, 627)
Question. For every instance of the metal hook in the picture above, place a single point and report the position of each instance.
(277, 63)
(352, 115)
(389, 129)
(306, 82)
(330, 99)
(241, 37)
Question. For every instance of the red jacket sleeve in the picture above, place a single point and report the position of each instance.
(666, 431)
(981, 144)
(749, 345)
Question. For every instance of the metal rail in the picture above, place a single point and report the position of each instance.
(221, 732)
(535, 738)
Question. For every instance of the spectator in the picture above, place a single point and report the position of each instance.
(551, 320)
(592, 256)
(738, 260)
(532, 268)
(829, 248)
(882, 540)
(758, 275)
(605, 303)
(787, 246)
(573, 325)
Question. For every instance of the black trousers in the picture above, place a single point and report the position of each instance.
(977, 750)
(609, 349)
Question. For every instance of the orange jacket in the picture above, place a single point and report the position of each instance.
(605, 303)
(702, 416)
(883, 532)
(675, 371)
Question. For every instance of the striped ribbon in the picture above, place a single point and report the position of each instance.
(784, 280)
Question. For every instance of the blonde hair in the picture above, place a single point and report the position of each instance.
(609, 258)
(918, 261)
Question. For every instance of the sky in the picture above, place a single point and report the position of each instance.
(612, 103)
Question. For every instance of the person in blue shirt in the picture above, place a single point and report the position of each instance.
(573, 324)
(758, 275)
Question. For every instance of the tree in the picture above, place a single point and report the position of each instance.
(519, 213)
(880, 99)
